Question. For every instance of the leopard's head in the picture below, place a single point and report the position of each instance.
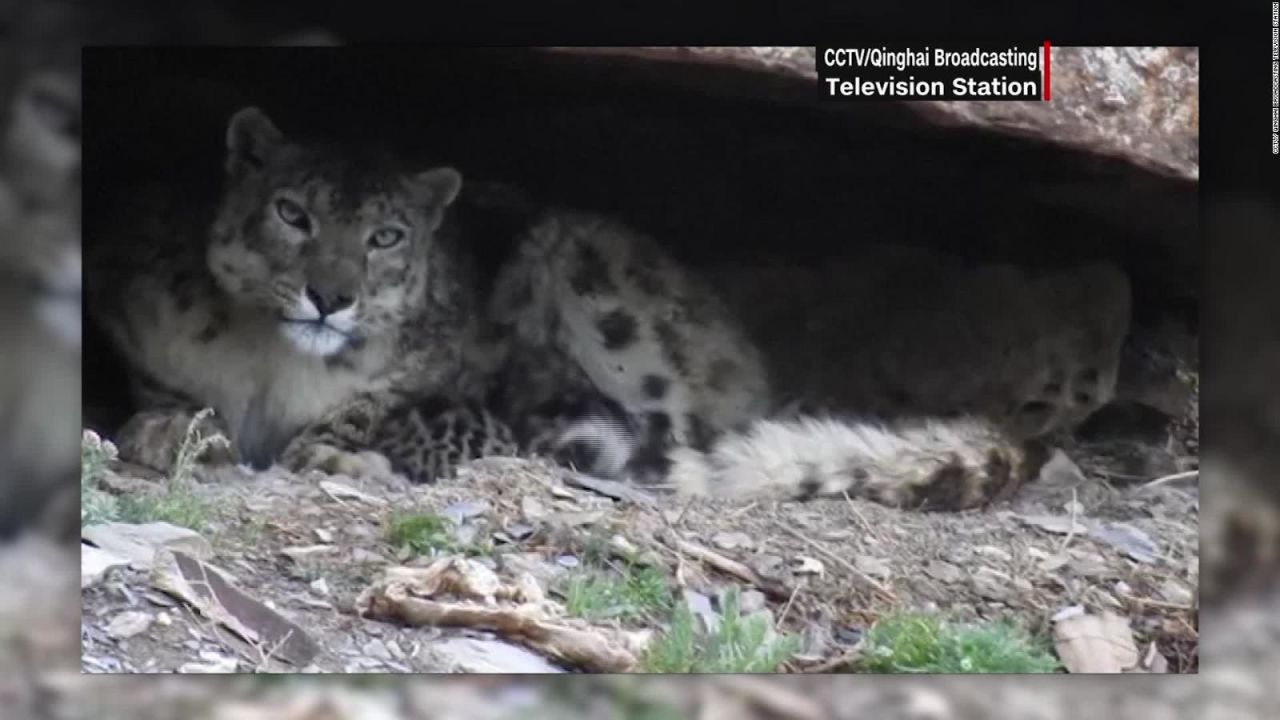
(333, 249)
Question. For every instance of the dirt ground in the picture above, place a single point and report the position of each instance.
(824, 570)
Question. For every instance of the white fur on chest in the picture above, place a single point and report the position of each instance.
(251, 367)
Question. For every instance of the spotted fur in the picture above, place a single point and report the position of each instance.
(666, 354)
(317, 293)
(591, 308)
(428, 440)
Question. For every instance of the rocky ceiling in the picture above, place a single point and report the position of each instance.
(728, 153)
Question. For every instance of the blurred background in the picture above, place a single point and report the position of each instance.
(40, 421)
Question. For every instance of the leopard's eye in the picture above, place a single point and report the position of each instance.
(293, 215)
(386, 237)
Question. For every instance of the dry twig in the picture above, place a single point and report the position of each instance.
(1071, 527)
(771, 588)
(865, 523)
(1170, 478)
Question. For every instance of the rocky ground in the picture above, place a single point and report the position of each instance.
(492, 571)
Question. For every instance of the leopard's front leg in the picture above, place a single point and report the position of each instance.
(163, 438)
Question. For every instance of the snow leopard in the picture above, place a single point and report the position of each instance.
(317, 291)
(622, 361)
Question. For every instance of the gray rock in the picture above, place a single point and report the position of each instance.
(1129, 540)
(943, 572)
(1139, 104)
(95, 563)
(517, 564)
(700, 606)
(460, 512)
(473, 655)
(128, 623)
(992, 584)
(139, 543)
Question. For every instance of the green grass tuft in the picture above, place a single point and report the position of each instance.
(420, 533)
(913, 643)
(636, 592)
(177, 506)
(741, 644)
(176, 502)
(429, 534)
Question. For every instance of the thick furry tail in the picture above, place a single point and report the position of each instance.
(931, 464)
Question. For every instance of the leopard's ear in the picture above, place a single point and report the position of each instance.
(251, 140)
(437, 188)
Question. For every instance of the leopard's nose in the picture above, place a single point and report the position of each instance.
(328, 303)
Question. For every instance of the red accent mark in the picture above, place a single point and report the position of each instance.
(1046, 71)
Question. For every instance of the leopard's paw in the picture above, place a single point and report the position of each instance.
(331, 460)
(163, 439)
